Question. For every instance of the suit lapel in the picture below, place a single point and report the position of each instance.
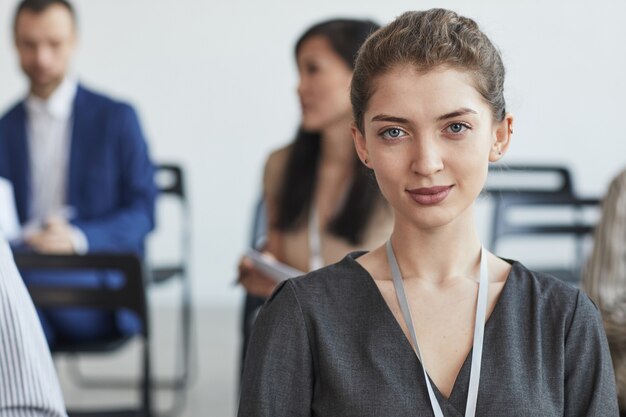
(78, 147)
(20, 164)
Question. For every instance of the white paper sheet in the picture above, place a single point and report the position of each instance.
(271, 267)
(9, 223)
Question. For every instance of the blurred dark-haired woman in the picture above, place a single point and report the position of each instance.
(321, 203)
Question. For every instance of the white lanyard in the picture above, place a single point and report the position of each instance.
(315, 245)
(479, 331)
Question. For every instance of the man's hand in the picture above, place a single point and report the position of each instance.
(54, 238)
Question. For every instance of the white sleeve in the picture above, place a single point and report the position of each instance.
(28, 382)
(79, 241)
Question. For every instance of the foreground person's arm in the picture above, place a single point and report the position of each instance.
(28, 382)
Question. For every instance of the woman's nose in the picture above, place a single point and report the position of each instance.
(301, 86)
(426, 157)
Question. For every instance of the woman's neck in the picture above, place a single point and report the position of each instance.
(440, 255)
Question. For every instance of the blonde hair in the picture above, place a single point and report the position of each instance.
(604, 279)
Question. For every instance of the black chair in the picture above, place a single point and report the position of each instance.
(531, 201)
(130, 296)
(170, 183)
(534, 179)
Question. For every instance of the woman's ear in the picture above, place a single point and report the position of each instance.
(360, 145)
(502, 134)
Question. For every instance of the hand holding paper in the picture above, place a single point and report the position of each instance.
(271, 267)
(259, 273)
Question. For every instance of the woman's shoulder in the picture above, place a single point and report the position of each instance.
(548, 295)
(278, 158)
(332, 287)
(542, 283)
(275, 167)
(334, 275)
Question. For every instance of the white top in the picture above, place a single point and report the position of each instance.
(49, 132)
(28, 382)
(9, 223)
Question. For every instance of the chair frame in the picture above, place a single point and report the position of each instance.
(505, 199)
(130, 295)
(181, 270)
(156, 276)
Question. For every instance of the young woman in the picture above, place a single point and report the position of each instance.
(321, 203)
(430, 323)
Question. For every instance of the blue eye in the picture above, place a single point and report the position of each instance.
(457, 128)
(393, 133)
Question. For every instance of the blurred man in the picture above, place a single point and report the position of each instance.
(79, 166)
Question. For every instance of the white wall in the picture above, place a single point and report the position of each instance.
(214, 83)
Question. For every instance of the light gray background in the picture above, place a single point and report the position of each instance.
(214, 83)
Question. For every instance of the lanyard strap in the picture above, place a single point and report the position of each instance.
(479, 331)
(315, 245)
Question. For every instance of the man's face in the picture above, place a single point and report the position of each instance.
(45, 42)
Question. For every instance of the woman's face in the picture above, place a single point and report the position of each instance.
(324, 87)
(429, 138)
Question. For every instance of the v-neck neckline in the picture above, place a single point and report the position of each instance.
(463, 374)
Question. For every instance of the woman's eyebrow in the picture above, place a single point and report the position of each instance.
(387, 118)
(395, 119)
(460, 112)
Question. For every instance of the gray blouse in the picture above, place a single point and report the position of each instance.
(326, 344)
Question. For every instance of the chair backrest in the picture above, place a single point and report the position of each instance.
(536, 179)
(542, 205)
(130, 294)
(170, 182)
(504, 224)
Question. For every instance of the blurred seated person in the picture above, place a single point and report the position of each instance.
(28, 381)
(605, 277)
(321, 203)
(79, 165)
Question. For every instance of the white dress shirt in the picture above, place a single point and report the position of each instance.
(49, 132)
(29, 386)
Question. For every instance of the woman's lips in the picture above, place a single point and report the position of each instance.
(430, 196)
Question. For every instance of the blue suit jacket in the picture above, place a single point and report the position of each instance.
(111, 179)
